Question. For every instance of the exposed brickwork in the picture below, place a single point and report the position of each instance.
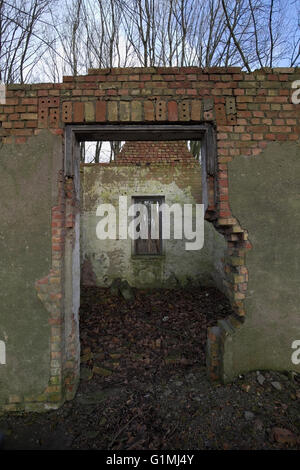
(155, 152)
(70, 366)
(50, 291)
(248, 110)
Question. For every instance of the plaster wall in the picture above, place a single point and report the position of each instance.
(28, 190)
(103, 261)
(265, 198)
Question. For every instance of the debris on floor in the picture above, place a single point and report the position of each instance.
(144, 385)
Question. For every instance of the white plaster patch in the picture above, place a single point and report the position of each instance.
(2, 353)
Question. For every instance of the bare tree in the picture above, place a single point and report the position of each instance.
(263, 32)
(22, 45)
(40, 41)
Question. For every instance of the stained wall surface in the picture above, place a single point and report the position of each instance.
(27, 195)
(142, 172)
(265, 198)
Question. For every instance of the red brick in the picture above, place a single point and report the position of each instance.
(53, 117)
(67, 111)
(172, 111)
(161, 111)
(149, 110)
(21, 140)
(196, 107)
(100, 111)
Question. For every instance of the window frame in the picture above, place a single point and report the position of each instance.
(138, 199)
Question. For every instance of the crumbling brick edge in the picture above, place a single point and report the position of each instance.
(235, 282)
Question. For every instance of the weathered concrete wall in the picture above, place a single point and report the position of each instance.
(104, 260)
(265, 198)
(28, 190)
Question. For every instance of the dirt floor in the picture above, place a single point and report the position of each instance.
(144, 386)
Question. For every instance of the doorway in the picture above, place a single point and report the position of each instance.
(80, 133)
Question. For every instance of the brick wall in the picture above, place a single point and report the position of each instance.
(248, 110)
(153, 152)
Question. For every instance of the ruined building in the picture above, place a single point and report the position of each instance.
(249, 126)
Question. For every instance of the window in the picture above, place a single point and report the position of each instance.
(149, 226)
